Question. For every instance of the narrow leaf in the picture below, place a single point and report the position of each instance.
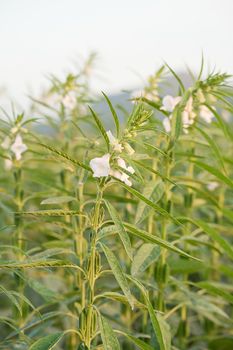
(48, 342)
(100, 126)
(214, 171)
(138, 342)
(118, 273)
(151, 204)
(108, 337)
(66, 156)
(214, 235)
(156, 240)
(58, 200)
(52, 212)
(115, 117)
(212, 289)
(120, 228)
(213, 147)
(159, 325)
(146, 255)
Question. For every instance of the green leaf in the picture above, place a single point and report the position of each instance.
(148, 168)
(152, 189)
(100, 126)
(214, 171)
(115, 117)
(213, 147)
(145, 236)
(160, 326)
(222, 124)
(9, 294)
(66, 156)
(120, 298)
(201, 68)
(153, 104)
(146, 255)
(108, 337)
(138, 342)
(212, 289)
(120, 229)
(151, 204)
(177, 123)
(38, 264)
(186, 266)
(176, 77)
(46, 293)
(214, 235)
(221, 343)
(118, 273)
(48, 342)
(58, 200)
(52, 212)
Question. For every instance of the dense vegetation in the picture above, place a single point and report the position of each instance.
(118, 239)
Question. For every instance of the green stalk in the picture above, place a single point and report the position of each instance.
(215, 255)
(79, 247)
(184, 332)
(18, 220)
(162, 266)
(92, 268)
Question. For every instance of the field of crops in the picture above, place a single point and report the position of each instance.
(121, 238)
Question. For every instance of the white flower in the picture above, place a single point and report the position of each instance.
(8, 164)
(101, 166)
(6, 143)
(169, 103)
(69, 100)
(120, 174)
(114, 142)
(116, 174)
(125, 177)
(18, 147)
(206, 114)
(123, 165)
(188, 115)
(167, 124)
(212, 185)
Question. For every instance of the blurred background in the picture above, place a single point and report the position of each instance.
(131, 39)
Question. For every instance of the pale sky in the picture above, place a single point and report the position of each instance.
(131, 37)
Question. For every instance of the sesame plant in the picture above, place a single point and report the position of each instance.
(121, 238)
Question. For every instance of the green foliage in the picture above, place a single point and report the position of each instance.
(118, 242)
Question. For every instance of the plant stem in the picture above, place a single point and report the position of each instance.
(19, 236)
(162, 268)
(92, 268)
(184, 321)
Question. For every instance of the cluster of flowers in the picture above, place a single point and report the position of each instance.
(14, 145)
(106, 165)
(188, 115)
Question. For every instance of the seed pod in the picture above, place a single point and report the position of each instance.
(159, 273)
(165, 273)
(94, 321)
(82, 319)
(169, 205)
(188, 199)
(97, 263)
